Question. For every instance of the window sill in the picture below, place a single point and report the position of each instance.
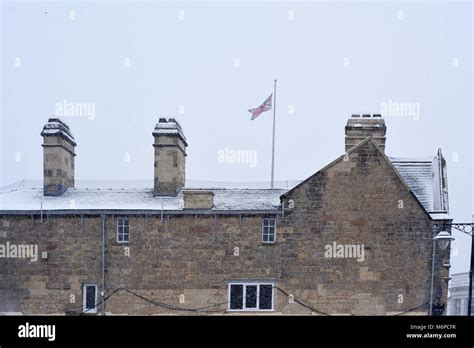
(250, 310)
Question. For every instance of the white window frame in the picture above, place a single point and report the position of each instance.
(121, 224)
(274, 230)
(84, 299)
(244, 296)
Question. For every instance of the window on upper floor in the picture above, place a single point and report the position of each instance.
(268, 230)
(123, 230)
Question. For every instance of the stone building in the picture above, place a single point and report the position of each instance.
(458, 297)
(354, 238)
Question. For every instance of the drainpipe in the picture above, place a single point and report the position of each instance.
(432, 276)
(102, 293)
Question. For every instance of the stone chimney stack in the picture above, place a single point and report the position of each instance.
(170, 157)
(58, 157)
(359, 127)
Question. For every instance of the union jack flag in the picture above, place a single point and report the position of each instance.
(267, 105)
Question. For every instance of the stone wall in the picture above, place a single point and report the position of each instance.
(73, 257)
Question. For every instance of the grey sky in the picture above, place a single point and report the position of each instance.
(215, 60)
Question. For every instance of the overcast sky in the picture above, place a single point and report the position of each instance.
(207, 62)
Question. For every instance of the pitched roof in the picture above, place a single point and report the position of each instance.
(425, 177)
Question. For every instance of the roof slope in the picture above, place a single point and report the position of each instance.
(427, 178)
(419, 177)
(32, 199)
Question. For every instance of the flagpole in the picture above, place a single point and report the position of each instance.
(273, 139)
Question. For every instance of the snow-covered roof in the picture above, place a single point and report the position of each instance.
(32, 199)
(440, 216)
(419, 177)
(426, 177)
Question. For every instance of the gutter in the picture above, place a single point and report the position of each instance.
(153, 212)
